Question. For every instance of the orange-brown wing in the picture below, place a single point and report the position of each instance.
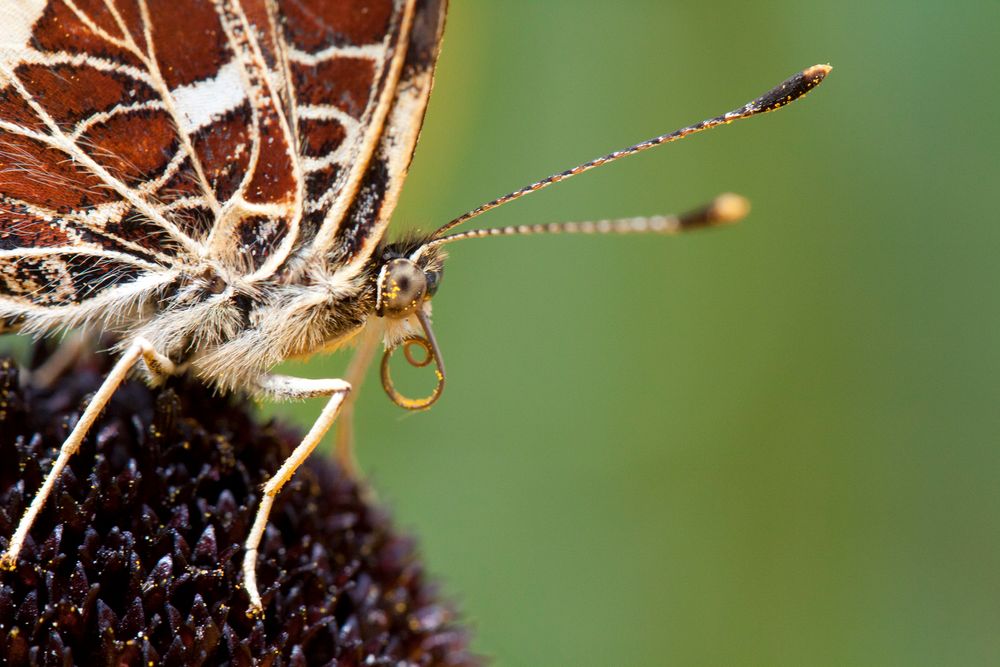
(137, 138)
(141, 137)
(355, 156)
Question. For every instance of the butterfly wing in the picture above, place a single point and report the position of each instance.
(139, 138)
(350, 203)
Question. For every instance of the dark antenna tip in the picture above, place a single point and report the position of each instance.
(790, 89)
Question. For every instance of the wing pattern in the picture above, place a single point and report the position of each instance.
(349, 63)
(140, 138)
(371, 207)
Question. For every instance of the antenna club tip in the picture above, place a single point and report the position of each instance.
(788, 90)
(728, 208)
(816, 72)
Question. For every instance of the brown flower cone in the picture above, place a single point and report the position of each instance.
(136, 558)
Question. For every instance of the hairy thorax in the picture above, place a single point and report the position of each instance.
(229, 331)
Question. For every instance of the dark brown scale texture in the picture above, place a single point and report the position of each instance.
(273, 179)
(364, 210)
(183, 60)
(318, 182)
(60, 279)
(257, 235)
(15, 109)
(320, 137)
(66, 186)
(314, 24)
(134, 227)
(133, 147)
(72, 93)
(346, 83)
(91, 274)
(21, 230)
(135, 559)
(60, 30)
(223, 148)
(426, 37)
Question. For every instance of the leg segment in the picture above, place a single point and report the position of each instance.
(344, 434)
(289, 388)
(158, 365)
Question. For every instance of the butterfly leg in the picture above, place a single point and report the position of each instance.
(282, 387)
(158, 366)
(355, 375)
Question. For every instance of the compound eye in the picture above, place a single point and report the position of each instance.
(433, 282)
(402, 289)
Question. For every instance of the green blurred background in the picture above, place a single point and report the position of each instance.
(774, 444)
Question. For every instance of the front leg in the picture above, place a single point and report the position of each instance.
(158, 365)
(283, 387)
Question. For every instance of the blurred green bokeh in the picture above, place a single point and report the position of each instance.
(774, 444)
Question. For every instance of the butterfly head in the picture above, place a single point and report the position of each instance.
(406, 282)
(408, 277)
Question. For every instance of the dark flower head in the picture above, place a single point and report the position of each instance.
(136, 557)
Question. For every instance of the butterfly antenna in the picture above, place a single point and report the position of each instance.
(724, 209)
(788, 91)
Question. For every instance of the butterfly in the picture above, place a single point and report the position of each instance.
(210, 181)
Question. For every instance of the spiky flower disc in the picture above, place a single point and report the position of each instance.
(135, 560)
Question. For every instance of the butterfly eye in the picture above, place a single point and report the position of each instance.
(433, 282)
(402, 288)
